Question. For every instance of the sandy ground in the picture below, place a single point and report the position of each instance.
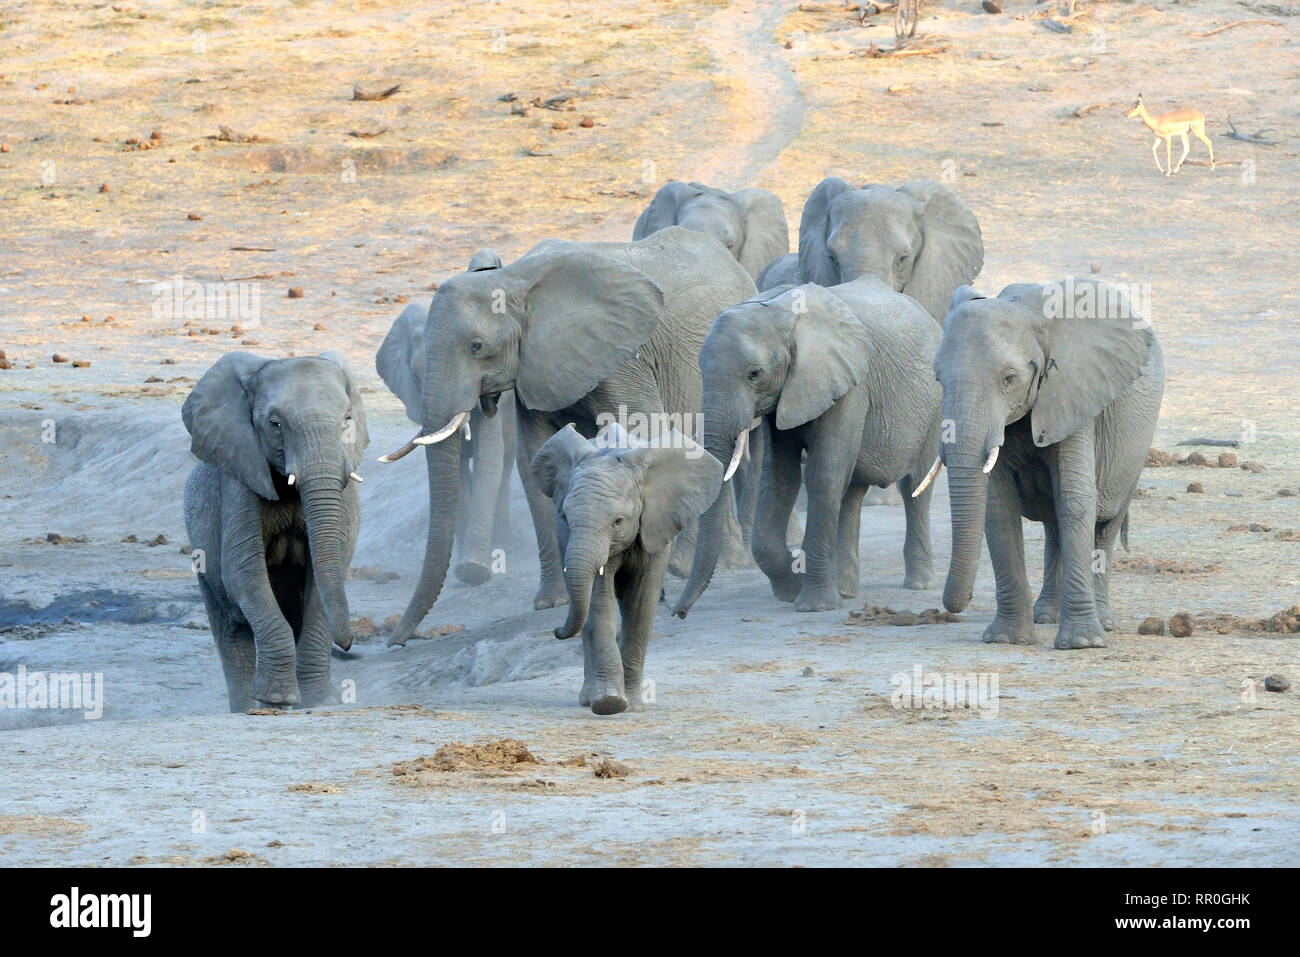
(773, 738)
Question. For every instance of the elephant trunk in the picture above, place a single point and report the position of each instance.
(584, 559)
(327, 521)
(443, 461)
(721, 441)
(968, 496)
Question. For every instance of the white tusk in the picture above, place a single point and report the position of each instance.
(602, 570)
(447, 430)
(396, 454)
(292, 478)
(992, 460)
(742, 441)
(929, 477)
(355, 477)
(466, 432)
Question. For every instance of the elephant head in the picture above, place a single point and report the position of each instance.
(551, 326)
(1059, 353)
(750, 223)
(613, 492)
(300, 419)
(920, 239)
(792, 352)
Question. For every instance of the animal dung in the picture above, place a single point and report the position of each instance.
(1182, 625)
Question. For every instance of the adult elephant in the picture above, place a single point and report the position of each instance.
(1053, 392)
(843, 375)
(586, 333)
(487, 454)
(272, 514)
(749, 222)
(920, 239)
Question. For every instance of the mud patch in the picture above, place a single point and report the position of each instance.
(100, 604)
(505, 754)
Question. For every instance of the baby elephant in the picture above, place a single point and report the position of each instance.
(272, 513)
(618, 506)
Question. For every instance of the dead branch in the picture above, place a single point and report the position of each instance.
(357, 93)
(1255, 138)
(1091, 108)
(366, 134)
(1229, 26)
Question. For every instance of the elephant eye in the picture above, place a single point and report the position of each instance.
(618, 522)
(475, 347)
(275, 423)
(754, 374)
(1008, 378)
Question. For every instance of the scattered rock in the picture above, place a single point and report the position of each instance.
(1163, 566)
(1197, 458)
(54, 538)
(991, 6)
(1151, 626)
(159, 540)
(807, 672)
(587, 122)
(1288, 535)
(1182, 625)
(880, 615)
(1095, 266)
(319, 327)
(1227, 460)
(81, 363)
(193, 217)
(103, 187)
(1287, 493)
(1158, 459)
(295, 292)
(559, 126)
(1252, 527)
(130, 540)
(59, 358)
(4, 147)
(1253, 468)
(1196, 487)
(609, 768)
(1276, 682)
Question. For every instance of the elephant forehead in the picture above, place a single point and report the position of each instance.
(298, 382)
(604, 476)
(875, 211)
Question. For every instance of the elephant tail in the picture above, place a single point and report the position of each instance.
(1123, 530)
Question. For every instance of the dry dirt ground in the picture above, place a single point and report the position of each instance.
(773, 739)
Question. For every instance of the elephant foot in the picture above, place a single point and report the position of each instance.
(1081, 633)
(548, 596)
(1006, 631)
(585, 696)
(319, 693)
(609, 702)
(278, 691)
(918, 580)
(1047, 609)
(474, 572)
(785, 590)
(848, 590)
(818, 599)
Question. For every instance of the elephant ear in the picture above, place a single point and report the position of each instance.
(484, 260)
(358, 437)
(952, 252)
(830, 355)
(662, 211)
(218, 414)
(584, 315)
(814, 229)
(681, 481)
(1096, 348)
(554, 461)
(400, 360)
(767, 235)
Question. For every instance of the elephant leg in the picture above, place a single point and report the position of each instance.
(918, 556)
(1103, 548)
(1014, 620)
(234, 647)
(1074, 486)
(776, 498)
(480, 502)
(850, 529)
(605, 675)
(637, 606)
(826, 477)
(314, 642)
(1046, 608)
(533, 431)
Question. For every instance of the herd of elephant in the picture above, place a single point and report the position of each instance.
(864, 359)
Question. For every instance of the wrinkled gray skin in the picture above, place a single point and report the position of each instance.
(578, 330)
(750, 223)
(782, 271)
(1071, 403)
(843, 374)
(271, 557)
(919, 238)
(487, 457)
(618, 506)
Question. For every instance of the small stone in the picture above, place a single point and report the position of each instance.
(59, 358)
(1195, 487)
(5, 363)
(81, 363)
(193, 217)
(103, 187)
(1197, 458)
(156, 135)
(1151, 626)
(609, 768)
(991, 6)
(1182, 625)
(295, 292)
(1276, 682)
(587, 122)
(807, 672)
(1227, 460)
(559, 126)
(319, 327)
(1095, 267)
(4, 147)
(1286, 493)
